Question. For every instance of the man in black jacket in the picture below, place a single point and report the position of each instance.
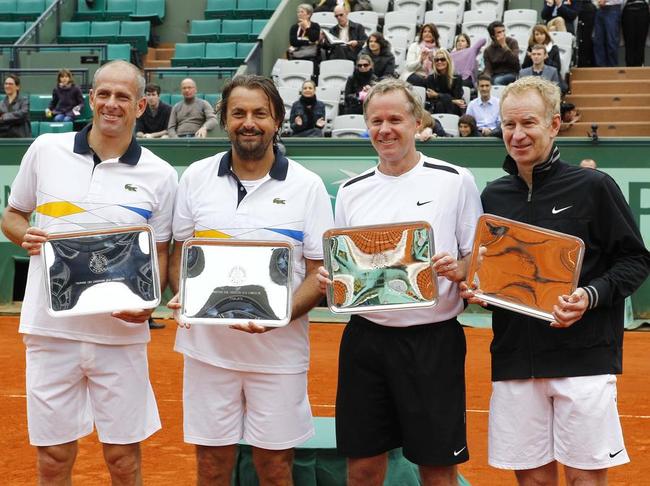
(352, 35)
(554, 386)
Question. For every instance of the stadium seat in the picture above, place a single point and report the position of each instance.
(243, 49)
(401, 23)
(257, 26)
(496, 5)
(399, 46)
(326, 20)
(235, 30)
(421, 93)
(497, 89)
(204, 30)
(7, 8)
(104, 32)
(118, 51)
(367, 18)
(271, 5)
(175, 98)
(37, 106)
(449, 123)
(251, 9)
(220, 9)
(149, 10)
(10, 32)
(188, 54)
(330, 97)
(119, 9)
(417, 6)
(289, 95)
(485, 15)
(136, 33)
(74, 32)
(441, 15)
(54, 127)
(212, 98)
(220, 54)
(293, 73)
(349, 126)
(36, 128)
(456, 5)
(519, 20)
(29, 9)
(335, 72)
(95, 11)
(380, 6)
(476, 29)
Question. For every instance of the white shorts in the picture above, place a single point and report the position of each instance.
(71, 384)
(571, 420)
(221, 406)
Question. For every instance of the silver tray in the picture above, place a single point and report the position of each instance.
(101, 271)
(380, 268)
(526, 268)
(235, 282)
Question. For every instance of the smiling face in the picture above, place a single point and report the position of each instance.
(484, 89)
(250, 123)
(308, 89)
(392, 128)
(115, 102)
(11, 88)
(539, 37)
(464, 130)
(373, 45)
(527, 133)
(440, 63)
(427, 34)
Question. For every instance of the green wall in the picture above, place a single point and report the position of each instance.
(336, 160)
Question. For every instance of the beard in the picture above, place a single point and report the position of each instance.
(250, 150)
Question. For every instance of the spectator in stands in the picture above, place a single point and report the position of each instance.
(352, 35)
(501, 56)
(383, 60)
(562, 9)
(429, 128)
(540, 35)
(14, 110)
(588, 164)
(467, 126)
(67, 99)
(556, 25)
(570, 116)
(485, 109)
(419, 57)
(358, 85)
(584, 32)
(307, 117)
(444, 88)
(155, 119)
(538, 54)
(635, 20)
(192, 116)
(464, 58)
(607, 32)
(304, 35)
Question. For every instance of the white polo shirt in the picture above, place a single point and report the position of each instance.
(443, 194)
(289, 204)
(59, 181)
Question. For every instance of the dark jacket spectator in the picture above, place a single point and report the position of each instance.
(14, 111)
(444, 88)
(307, 117)
(352, 33)
(154, 121)
(358, 85)
(383, 60)
(501, 56)
(304, 36)
(560, 8)
(67, 98)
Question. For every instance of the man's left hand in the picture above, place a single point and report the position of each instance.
(447, 266)
(136, 316)
(570, 308)
(251, 328)
(201, 133)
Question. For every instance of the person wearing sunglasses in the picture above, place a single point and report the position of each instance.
(351, 35)
(444, 88)
(358, 85)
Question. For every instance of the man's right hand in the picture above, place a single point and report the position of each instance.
(323, 278)
(33, 240)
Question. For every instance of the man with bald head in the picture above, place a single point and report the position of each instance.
(90, 371)
(191, 117)
(352, 34)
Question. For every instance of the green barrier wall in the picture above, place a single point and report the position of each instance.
(626, 160)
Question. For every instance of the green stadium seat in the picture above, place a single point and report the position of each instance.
(188, 54)
(136, 33)
(271, 5)
(165, 98)
(36, 130)
(86, 113)
(204, 30)
(243, 48)
(55, 127)
(74, 32)
(175, 98)
(96, 11)
(235, 30)
(212, 98)
(29, 9)
(220, 9)
(251, 9)
(119, 9)
(220, 54)
(118, 51)
(7, 8)
(37, 105)
(10, 32)
(104, 32)
(151, 10)
(257, 26)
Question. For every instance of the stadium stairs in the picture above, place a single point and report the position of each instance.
(615, 99)
(159, 57)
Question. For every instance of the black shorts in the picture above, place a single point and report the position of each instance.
(402, 387)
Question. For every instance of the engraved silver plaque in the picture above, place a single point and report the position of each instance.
(101, 271)
(525, 268)
(380, 268)
(226, 281)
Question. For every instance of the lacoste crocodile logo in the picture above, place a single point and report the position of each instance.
(277, 200)
(130, 187)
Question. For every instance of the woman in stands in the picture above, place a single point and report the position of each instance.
(419, 57)
(358, 85)
(307, 117)
(67, 99)
(429, 128)
(467, 127)
(444, 88)
(464, 58)
(540, 35)
(304, 35)
(14, 110)
(383, 60)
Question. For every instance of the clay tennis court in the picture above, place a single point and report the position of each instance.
(168, 461)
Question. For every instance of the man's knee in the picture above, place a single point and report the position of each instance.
(215, 464)
(123, 461)
(367, 471)
(439, 475)
(582, 477)
(541, 476)
(55, 462)
(273, 467)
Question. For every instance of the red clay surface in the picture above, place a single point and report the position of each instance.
(168, 461)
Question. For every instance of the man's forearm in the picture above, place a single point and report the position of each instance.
(308, 294)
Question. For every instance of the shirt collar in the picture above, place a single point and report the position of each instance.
(510, 166)
(81, 146)
(278, 169)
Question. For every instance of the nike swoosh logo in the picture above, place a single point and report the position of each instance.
(423, 203)
(458, 452)
(616, 453)
(556, 211)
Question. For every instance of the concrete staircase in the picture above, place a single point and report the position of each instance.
(159, 57)
(616, 99)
